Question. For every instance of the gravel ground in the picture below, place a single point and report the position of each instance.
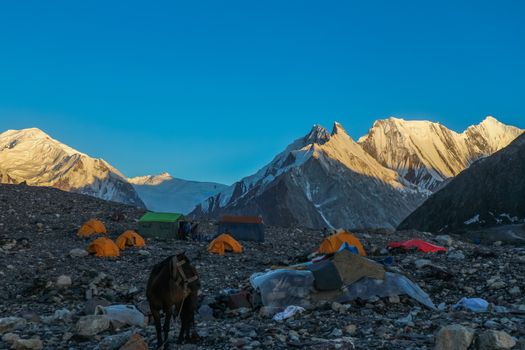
(37, 232)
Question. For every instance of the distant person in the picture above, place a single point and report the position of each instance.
(195, 230)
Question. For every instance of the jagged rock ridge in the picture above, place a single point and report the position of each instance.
(320, 180)
(490, 192)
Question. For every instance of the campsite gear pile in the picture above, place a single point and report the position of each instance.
(104, 246)
(343, 274)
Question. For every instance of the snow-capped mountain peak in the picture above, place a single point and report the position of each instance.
(32, 156)
(152, 180)
(318, 135)
(338, 129)
(311, 182)
(427, 153)
(490, 136)
(33, 138)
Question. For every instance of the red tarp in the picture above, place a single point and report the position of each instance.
(419, 244)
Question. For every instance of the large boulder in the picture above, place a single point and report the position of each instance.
(18, 343)
(494, 340)
(454, 337)
(91, 325)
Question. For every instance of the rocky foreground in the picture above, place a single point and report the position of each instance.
(46, 286)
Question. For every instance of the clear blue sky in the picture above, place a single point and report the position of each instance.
(212, 90)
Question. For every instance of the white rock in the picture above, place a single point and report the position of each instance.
(63, 281)
(91, 325)
(494, 340)
(454, 337)
(78, 253)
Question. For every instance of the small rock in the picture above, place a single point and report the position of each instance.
(515, 290)
(63, 315)
(63, 282)
(115, 341)
(394, 299)
(497, 285)
(454, 337)
(78, 253)
(456, 255)
(336, 333)
(255, 344)
(444, 240)
(8, 324)
(338, 307)
(491, 324)
(420, 263)
(91, 325)
(351, 329)
(497, 243)
(144, 252)
(493, 340)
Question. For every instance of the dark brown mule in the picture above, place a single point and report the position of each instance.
(173, 281)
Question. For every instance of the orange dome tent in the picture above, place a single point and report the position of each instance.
(332, 243)
(91, 227)
(130, 239)
(103, 247)
(224, 243)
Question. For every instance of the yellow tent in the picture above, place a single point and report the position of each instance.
(224, 243)
(332, 243)
(91, 227)
(129, 239)
(103, 247)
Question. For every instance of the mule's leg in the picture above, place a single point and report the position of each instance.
(156, 318)
(194, 305)
(167, 314)
(187, 318)
(182, 325)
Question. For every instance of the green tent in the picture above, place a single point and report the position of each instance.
(160, 225)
